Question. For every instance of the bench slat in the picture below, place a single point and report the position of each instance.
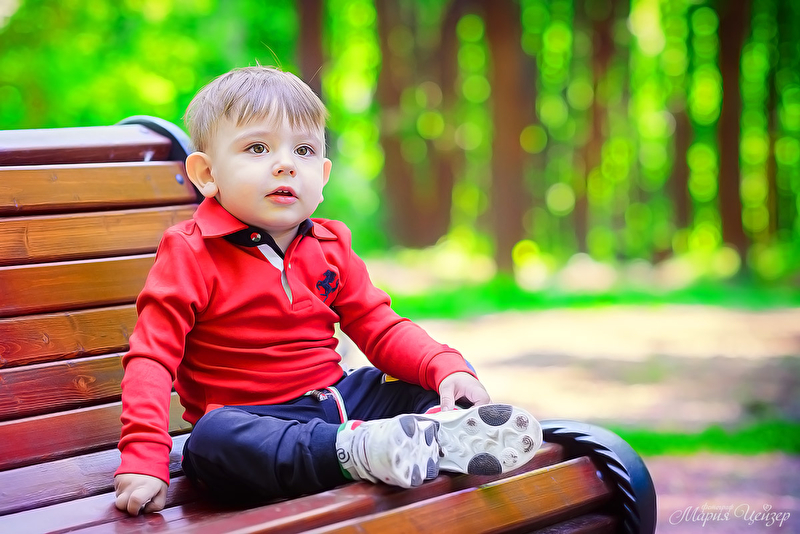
(98, 510)
(82, 145)
(35, 486)
(54, 188)
(51, 387)
(346, 502)
(64, 434)
(87, 235)
(588, 524)
(58, 336)
(530, 500)
(51, 287)
(50, 483)
(297, 515)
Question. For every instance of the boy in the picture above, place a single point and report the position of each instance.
(239, 312)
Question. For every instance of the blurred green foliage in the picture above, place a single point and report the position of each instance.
(622, 166)
(624, 151)
(75, 63)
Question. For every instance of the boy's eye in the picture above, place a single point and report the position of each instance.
(304, 151)
(257, 148)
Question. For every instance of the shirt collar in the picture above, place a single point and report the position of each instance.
(214, 221)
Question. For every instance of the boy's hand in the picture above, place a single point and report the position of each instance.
(460, 385)
(136, 493)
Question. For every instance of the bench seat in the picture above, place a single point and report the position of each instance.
(81, 213)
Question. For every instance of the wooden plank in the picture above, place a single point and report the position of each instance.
(82, 145)
(587, 524)
(51, 387)
(343, 503)
(58, 188)
(51, 287)
(171, 519)
(90, 511)
(58, 336)
(97, 514)
(530, 500)
(52, 238)
(64, 434)
(64, 480)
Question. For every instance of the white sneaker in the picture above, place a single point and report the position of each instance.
(408, 449)
(486, 440)
(401, 451)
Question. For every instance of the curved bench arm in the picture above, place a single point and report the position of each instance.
(635, 495)
(181, 144)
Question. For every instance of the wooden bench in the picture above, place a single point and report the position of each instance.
(81, 213)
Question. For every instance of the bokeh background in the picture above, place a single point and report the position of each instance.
(598, 201)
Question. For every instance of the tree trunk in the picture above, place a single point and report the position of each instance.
(602, 52)
(419, 214)
(309, 43)
(680, 169)
(773, 194)
(509, 197)
(732, 29)
(396, 170)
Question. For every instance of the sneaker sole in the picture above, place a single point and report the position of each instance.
(411, 457)
(486, 440)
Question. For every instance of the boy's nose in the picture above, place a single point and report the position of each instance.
(283, 167)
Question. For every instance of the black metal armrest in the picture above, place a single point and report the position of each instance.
(621, 467)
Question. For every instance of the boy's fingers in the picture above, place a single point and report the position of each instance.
(157, 503)
(479, 397)
(138, 499)
(152, 506)
(447, 398)
(481, 400)
(122, 501)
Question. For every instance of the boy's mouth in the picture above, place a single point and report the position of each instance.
(282, 192)
(283, 195)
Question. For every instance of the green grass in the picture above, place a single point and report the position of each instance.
(755, 438)
(503, 294)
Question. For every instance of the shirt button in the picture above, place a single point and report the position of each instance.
(255, 237)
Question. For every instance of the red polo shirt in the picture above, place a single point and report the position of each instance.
(218, 319)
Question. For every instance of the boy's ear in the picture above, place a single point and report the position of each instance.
(326, 170)
(326, 174)
(198, 167)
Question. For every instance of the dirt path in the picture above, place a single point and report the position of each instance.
(727, 494)
(667, 367)
(678, 367)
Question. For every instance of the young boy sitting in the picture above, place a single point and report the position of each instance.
(239, 312)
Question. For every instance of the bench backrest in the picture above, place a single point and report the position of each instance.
(81, 213)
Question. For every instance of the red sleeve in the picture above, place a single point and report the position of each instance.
(392, 343)
(174, 290)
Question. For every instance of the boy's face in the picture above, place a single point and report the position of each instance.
(264, 173)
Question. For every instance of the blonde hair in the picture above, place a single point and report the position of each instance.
(249, 93)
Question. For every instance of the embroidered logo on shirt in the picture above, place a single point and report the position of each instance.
(327, 285)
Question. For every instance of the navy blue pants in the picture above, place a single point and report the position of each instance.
(252, 454)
